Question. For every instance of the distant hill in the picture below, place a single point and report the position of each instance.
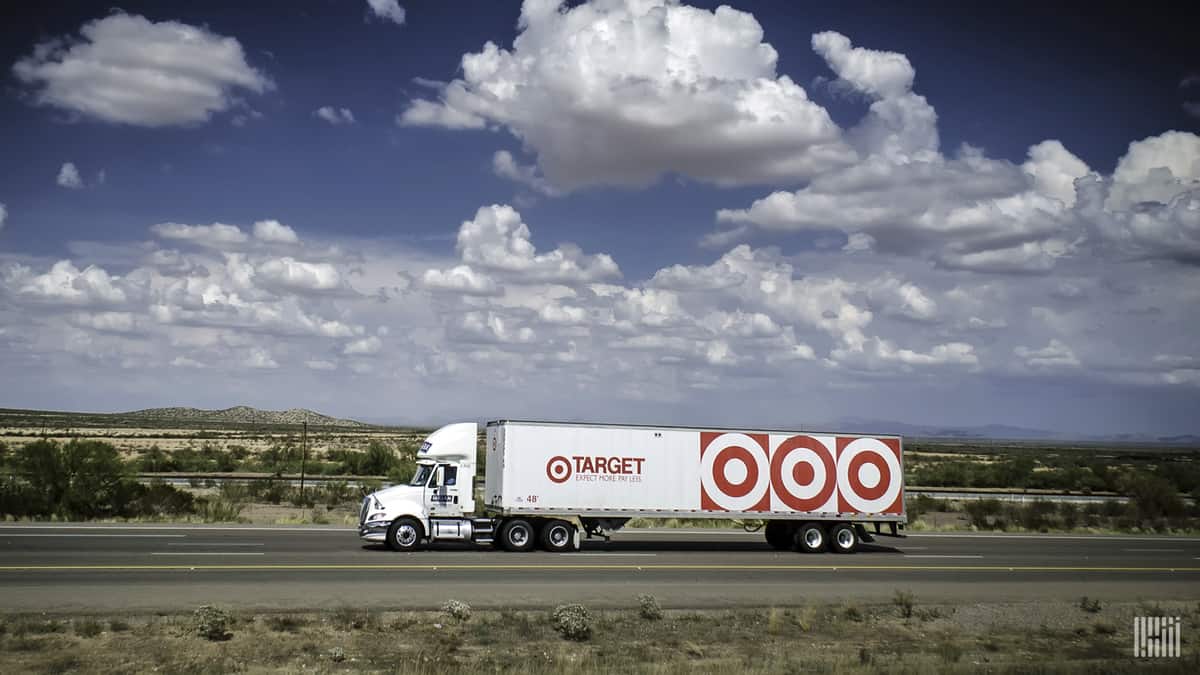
(242, 414)
(1002, 432)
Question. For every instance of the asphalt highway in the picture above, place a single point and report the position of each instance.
(133, 568)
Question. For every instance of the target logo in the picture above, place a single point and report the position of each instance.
(761, 472)
(734, 472)
(558, 469)
(868, 475)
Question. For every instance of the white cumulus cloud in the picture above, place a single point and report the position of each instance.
(389, 10)
(217, 235)
(68, 177)
(620, 93)
(275, 232)
(335, 116)
(497, 239)
(127, 69)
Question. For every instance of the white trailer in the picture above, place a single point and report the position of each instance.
(546, 483)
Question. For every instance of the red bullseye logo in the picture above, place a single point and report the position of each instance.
(558, 469)
(817, 474)
(802, 469)
(734, 472)
(868, 475)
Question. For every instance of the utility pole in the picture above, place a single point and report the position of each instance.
(303, 456)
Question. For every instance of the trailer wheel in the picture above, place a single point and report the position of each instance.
(810, 538)
(558, 536)
(779, 535)
(516, 536)
(405, 534)
(843, 538)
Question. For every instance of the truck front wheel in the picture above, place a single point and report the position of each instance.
(516, 536)
(404, 534)
(558, 536)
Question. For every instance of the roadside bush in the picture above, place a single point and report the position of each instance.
(212, 623)
(218, 510)
(337, 654)
(649, 608)
(573, 622)
(983, 513)
(285, 623)
(87, 628)
(457, 609)
(1154, 500)
(904, 602)
(78, 479)
(349, 618)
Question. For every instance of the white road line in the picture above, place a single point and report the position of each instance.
(1098, 537)
(209, 544)
(612, 555)
(196, 528)
(123, 536)
(211, 553)
(916, 548)
(1152, 550)
(931, 555)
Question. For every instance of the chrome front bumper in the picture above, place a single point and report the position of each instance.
(373, 531)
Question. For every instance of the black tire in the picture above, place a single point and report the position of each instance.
(810, 538)
(558, 536)
(405, 534)
(779, 535)
(517, 536)
(843, 538)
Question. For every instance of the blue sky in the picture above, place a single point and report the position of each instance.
(765, 214)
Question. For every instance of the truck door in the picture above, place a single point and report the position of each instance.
(441, 495)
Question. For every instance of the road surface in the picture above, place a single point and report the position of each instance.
(134, 568)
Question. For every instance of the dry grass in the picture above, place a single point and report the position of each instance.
(1045, 637)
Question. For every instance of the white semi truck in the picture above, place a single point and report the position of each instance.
(548, 483)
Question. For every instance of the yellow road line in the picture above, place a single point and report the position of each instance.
(625, 567)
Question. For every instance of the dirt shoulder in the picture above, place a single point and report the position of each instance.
(902, 636)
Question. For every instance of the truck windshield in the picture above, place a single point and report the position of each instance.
(421, 477)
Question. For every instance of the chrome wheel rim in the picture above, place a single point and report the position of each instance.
(518, 536)
(406, 535)
(558, 535)
(845, 538)
(812, 537)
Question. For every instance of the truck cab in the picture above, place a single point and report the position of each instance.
(434, 504)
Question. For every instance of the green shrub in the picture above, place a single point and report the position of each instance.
(649, 608)
(1091, 606)
(349, 618)
(573, 622)
(457, 609)
(87, 628)
(904, 602)
(284, 623)
(212, 623)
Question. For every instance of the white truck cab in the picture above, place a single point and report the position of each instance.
(434, 502)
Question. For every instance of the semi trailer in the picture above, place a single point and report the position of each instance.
(548, 484)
